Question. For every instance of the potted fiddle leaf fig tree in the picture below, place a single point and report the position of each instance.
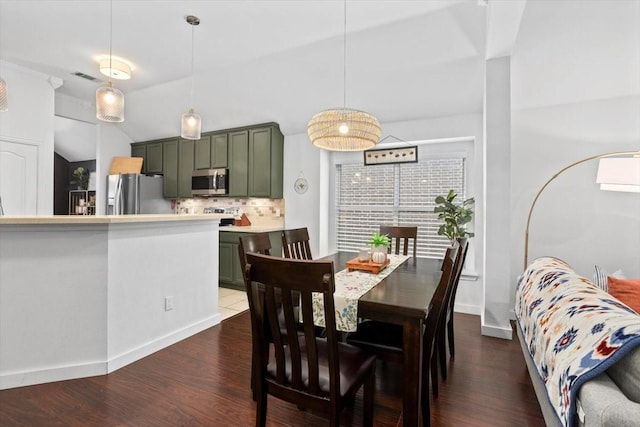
(379, 247)
(455, 216)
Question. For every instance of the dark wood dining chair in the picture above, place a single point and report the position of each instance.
(447, 324)
(385, 339)
(440, 356)
(316, 373)
(295, 243)
(398, 234)
(255, 243)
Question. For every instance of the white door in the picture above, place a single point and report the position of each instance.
(18, 177)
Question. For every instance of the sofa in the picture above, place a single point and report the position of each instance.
(581, 346)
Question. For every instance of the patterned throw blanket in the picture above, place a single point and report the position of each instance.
(573, 330)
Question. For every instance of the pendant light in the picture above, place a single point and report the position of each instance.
(344, 129)
(109, 100)
(4, 105)
(191, 122)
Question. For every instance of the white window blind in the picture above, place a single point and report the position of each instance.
(399, 194)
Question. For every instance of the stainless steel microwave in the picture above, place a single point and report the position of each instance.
(209, 182)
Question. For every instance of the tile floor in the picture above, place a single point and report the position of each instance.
(231, 302)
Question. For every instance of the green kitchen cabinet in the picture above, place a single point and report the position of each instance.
(202, 159)
(238, 159)
(186, 165)
(219, 150)
(151, 153)
(253, 155)
(265, 162)
(140, 150)
(255, 162)
(229, 269)
(170, 168)
(153, 158)
(229, 264)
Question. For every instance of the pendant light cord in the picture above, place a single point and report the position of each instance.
(192, 50)
(110, 39)
(344, 59)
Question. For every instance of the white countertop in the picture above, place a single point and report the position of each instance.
(252, 228)
(106, 219)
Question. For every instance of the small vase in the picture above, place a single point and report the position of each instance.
(378, 254)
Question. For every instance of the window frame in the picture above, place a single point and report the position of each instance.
(429, 149)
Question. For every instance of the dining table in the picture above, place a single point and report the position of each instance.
(402, 297)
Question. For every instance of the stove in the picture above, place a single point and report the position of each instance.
(223, 221)
(214, 210)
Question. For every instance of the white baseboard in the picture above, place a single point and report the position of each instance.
(497, 332)
(48, 375)
(144, 350)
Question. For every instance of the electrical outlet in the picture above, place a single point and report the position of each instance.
(168, 303)
(278, 212)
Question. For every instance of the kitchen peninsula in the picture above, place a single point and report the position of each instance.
(86, 295)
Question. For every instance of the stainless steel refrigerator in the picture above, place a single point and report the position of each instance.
(132, 193)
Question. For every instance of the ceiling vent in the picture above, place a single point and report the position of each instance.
(86, 76)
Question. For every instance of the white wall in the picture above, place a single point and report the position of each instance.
(573, 219)
(96, 300)
(29, 120)
(53, 305)
(148, 263)
(575, 96)
(301, 158)
(497, 122)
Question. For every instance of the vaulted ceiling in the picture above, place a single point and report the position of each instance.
(269, 60)
(258, 61)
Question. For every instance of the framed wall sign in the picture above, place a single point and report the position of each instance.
(391, 155)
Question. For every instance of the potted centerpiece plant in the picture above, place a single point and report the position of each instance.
(379, 247)
(456, 216)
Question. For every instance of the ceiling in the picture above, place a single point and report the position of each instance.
(257, 61)
(282, 61)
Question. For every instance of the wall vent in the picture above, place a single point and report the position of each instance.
(86, 76)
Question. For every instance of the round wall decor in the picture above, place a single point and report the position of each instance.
(301, 185)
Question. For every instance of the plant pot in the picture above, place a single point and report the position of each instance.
(378, 254)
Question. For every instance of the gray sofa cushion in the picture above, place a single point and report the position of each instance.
(601, 404)
(626, 374)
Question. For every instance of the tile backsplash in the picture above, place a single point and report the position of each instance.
(259, 211)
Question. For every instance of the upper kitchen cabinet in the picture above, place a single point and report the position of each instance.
(153, 158)
(160, 156)
(219, 143)
(211, 151)
(265, 162)
(151, 153)
(253, 155)
(170, 168)
(186, 166)
(140, 150)
(238, 159)
(255, 162)
(203, 153)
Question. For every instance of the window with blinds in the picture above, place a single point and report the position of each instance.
(397, 194)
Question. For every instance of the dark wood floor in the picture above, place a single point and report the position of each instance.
(204, 381)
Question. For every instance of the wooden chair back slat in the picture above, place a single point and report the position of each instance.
(295, 243)
(400, 237)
